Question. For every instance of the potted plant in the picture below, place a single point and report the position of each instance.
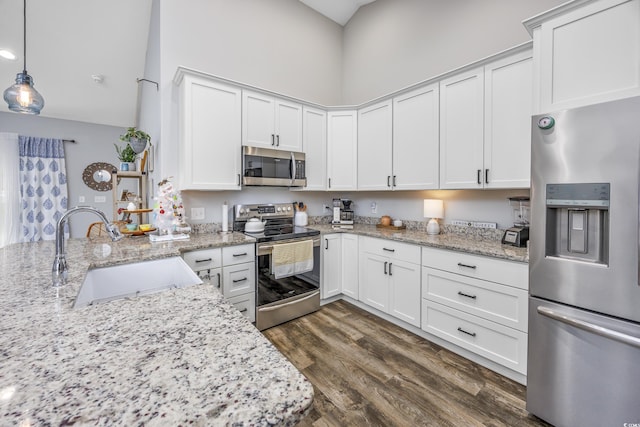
(127, 157)
(137, 139)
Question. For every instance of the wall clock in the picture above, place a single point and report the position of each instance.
(97, 176)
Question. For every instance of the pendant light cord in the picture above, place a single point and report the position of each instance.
(24, 38)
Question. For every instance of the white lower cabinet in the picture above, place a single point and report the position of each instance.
(331, 265)
(478, 303)
(390, 278)
(350, 265)
(232, 270)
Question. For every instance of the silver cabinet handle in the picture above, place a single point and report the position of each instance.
(240, 280)
(204, 260)
(462, 294)
(385, 266)
(242, 254)
(466, 265)
(590, 327)
(473, 334)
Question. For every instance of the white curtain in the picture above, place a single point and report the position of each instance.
(43, 187)
(9, 189)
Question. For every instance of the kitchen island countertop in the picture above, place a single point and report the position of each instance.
(183, 356)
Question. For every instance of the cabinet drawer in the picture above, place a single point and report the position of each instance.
(495, 270)
(499, 303)
(391, 249)
(232, 255)
(203, 259)
(238, 279)
(498, 343)
(246, 304)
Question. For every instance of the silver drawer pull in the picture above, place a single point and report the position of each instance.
(462, 294)
(473, 334)
(388, 250)
(240, 280)
(466, 265)
(242, 254)
(204, 260)
(244, 310)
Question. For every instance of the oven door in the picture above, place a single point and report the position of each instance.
(284, 299)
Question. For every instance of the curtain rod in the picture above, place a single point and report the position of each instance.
(73, 141)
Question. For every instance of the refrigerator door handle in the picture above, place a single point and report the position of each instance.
(590, 327)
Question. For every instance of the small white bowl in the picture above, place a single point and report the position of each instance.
(397, 223)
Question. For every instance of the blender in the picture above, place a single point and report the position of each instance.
(518, 235)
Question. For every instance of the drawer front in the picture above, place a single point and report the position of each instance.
(505, 346)
(246, 304)
(499, 303)
(203, 259)
(238, 279)
(391, 249)
(232, 255)
(495, 270)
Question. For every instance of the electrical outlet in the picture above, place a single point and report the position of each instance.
(81, 199)
(461, 223)
(374, 207)
(197, 213)
(474, 224)
(485, 225)
(99, 199)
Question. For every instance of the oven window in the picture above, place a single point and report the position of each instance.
(267, 167)
(272, 290)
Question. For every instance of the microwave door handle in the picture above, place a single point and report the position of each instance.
(293, 168)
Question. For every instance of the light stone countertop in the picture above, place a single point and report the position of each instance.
(466, 243)
(178, 357)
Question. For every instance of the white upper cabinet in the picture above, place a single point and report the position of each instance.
(342, 150)
(461, 130)
(270, 122)
(314, 145)
(210, 128)
(416, 139)
(485, 125)
(375, 142)
(586, 53)
(508, 105)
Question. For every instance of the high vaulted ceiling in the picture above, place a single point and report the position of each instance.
(68, 41)
(339, 11)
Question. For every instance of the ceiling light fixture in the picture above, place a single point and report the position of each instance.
(7, 54)
(22, 97)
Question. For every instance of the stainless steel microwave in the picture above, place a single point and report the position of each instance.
(276, 168)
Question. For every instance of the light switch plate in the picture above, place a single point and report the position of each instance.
(99, 199)
(197, 213)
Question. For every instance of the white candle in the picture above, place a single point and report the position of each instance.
(225, 217)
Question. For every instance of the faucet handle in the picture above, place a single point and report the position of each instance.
(114, 232)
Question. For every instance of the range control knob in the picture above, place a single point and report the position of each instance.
(279, 209)
(289, 208)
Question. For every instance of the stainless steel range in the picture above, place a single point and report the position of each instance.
(280, 299)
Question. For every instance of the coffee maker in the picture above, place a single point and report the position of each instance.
(342, 214)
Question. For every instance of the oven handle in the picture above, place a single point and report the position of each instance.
(316, 242)
(277, 307)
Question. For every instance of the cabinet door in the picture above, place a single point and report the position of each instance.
(258, 123)
(210, 128)
(375, 147)
(404, 287)
(288, 125)
(314, 145)
(461, 130)
(342, 151)
(374, 281)
(507, 128)
(590, 55)
(350, 265)
(331, 266)
(416, 133)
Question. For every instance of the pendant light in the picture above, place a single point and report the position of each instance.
(22, 97)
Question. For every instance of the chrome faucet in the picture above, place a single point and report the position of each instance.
(59, 270)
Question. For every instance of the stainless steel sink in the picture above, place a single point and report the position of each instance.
(130, 280)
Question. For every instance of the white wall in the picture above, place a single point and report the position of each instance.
(390, 44)
(94, 143)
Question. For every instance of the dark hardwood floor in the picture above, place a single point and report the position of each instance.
(369, 372)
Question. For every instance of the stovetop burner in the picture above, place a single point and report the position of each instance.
(279, 222)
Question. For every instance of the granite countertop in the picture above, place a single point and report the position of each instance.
(467, 243)
(183, 356)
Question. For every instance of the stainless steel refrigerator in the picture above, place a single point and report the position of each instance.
(584, 304)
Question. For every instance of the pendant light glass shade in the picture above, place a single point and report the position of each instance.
(22, 97)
